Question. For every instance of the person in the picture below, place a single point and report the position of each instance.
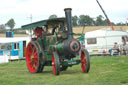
(38, 32)
(115, 49)
(124, 47)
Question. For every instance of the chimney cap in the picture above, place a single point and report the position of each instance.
(67, 9)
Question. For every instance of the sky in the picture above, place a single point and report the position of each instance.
(21, 10)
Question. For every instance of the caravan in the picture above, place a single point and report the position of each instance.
(13, 48)
(100, 41)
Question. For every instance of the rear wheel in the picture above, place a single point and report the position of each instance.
(34, 57)
(85, 61)
(55, 63)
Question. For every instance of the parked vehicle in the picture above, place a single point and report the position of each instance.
(13, 47)
(100, 41)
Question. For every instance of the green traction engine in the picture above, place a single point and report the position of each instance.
(53, 45)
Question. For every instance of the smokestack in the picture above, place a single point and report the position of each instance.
(69, 21)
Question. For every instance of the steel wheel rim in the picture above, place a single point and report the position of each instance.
(32, 57)
(83, 61)
(53, 64)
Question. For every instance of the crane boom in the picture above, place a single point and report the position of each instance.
(105, 15)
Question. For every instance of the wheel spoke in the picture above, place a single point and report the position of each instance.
(33, 67)
(35, 55)
(29, 62)
(30, 48)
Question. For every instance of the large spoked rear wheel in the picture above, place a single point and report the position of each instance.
(55, 63)
(34, 57)
(85, 61)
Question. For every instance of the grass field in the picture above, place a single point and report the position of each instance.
(104, 71)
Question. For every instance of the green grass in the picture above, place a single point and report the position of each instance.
(103, 71)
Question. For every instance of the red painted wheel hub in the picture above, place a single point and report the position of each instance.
(83, 61)
(32, 57)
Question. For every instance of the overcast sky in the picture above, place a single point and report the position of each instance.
(20, 10)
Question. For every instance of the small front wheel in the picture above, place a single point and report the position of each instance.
(85, 61)
(55, 63)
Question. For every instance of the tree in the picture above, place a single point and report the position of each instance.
(105, 22)
(2, 26)
(52, 16)
(82, 20)
(75, 20)
(85, 20)
(11, 24)
(120, 24)
(113, 23)
(99, 20)
(89, 20)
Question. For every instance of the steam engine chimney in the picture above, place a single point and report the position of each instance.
(69, 21)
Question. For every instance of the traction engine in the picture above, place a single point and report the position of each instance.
(57, 48)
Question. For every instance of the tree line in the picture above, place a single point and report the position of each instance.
(82, 20)
(86, 20)
(10, 23)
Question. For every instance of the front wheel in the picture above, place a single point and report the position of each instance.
(85, 61)
(55, 63)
